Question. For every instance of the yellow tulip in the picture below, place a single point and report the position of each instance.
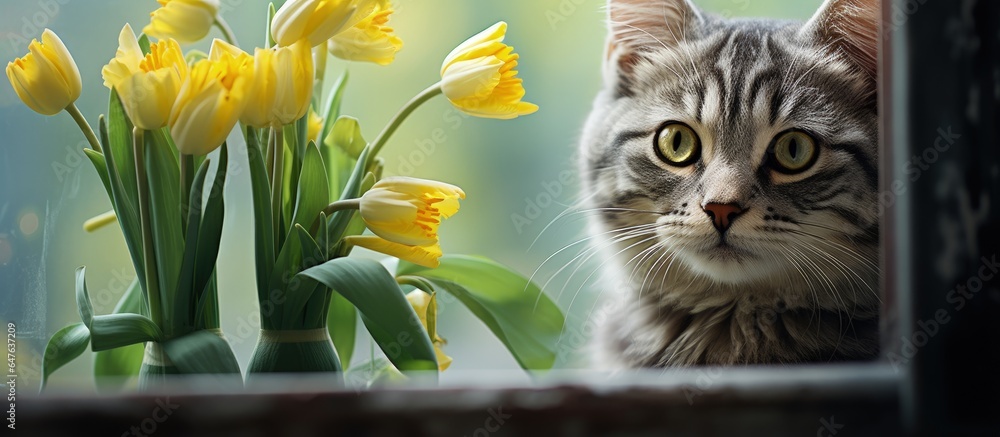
(211, 100)
(409, 210)
(282, 86)
(370, 40)
(427, 256)
(478, 77)
(186, 21)
(46, 79)
(147, 84)
(315, 127)
(424, 305)
(316, 21)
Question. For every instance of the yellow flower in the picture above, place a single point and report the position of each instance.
(316, 21)
(409, 210)
(427, 256)
(186, 21)
(315, 127)
(478, 77)
(211, 100)
(147, 84)
(282, 86)
(370, 40)
(46, 79)
(425, 306)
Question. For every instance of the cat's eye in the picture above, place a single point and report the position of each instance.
(677, 144)
(793, 152)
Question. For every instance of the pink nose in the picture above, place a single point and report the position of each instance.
(722, 214)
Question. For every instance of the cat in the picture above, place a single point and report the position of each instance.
(731, 167)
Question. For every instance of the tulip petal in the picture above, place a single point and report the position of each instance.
(427, 256)
(494, 33)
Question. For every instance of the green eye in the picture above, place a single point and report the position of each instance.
(794, 152)
(677, 144)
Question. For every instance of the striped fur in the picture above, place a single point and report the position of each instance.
(800, 283)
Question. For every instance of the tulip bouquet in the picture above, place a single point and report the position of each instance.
(317, 187)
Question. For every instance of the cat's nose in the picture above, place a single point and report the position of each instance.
(722, 214)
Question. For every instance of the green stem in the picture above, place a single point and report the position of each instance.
(187, 179)
(84, 126)
(227, 32)
(146, 223)
(416, 282)
(269, 155)
(277, 188)
(341, 205)
(397, 120)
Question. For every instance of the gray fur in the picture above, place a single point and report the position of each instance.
(801, 284)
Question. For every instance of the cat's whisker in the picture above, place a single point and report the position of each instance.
(626, 234)
(583, 257)
(580, 241)
(565, 212)
(866, 262)
(569, 309)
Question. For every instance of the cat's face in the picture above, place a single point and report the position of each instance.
(739, 152)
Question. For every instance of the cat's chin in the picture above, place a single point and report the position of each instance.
(728, 264)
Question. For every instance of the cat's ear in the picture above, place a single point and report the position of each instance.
(638, 27)
(850, 27)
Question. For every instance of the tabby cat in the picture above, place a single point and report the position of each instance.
(732, 167)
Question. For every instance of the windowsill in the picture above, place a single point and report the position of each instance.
(794, 400)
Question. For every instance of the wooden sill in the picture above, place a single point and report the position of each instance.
(794, 400)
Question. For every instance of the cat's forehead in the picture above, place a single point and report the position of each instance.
(742, 76)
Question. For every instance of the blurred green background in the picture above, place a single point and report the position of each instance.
(526, 166)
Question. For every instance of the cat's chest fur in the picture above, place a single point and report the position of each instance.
(650, 331)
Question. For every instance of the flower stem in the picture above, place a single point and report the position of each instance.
(341, 205)
(187, 179)
(84, 126)
(146, 223)
(227, 32)
(277, 185)
(397, 120)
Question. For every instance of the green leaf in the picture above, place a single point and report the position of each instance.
(183, 314)
(97, 158)
(356, 226)
(332, 112)
(144, 44)
(293, 156)
(83, 305)
(346, 136)
(202, 352)
(113, 367)
(163, 172)
(516, 310)
(211, 225)
(386, 312)
(263, 232)
(342, 322)
(64, 346)
(312, 194)
(283, 282)
(117, 330)
(340, 220)
(312, 313)
(116, 136)
(119, 144)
